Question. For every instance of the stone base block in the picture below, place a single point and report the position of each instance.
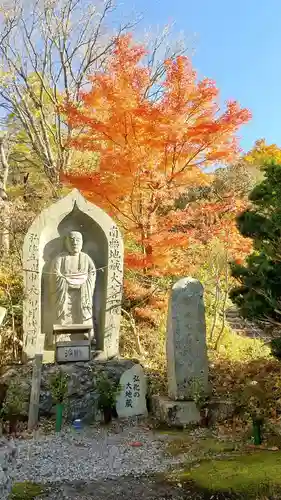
(82, 400)
(175, 413)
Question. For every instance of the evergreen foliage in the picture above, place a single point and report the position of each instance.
(259, 292)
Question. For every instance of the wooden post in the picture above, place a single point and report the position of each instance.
(35, 392)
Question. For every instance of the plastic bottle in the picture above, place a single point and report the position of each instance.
(77, 424)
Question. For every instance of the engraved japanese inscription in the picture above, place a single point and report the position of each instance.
(72, 353)
(132, 398)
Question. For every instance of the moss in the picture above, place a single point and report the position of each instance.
(215, 446)
(199, 447)
(26, 491)
(178, 446)
(249, 474)
(173, 432)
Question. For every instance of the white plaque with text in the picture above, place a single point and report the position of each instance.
(71, 352)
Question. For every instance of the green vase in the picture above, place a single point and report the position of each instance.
(59, 412)
(257, 432)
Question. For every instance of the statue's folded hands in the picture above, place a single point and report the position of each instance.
(75, 280)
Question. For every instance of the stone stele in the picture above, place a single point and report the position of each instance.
(187, 362)
(73, 275)
(131, 400)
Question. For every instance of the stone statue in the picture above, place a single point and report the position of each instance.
(73, 281)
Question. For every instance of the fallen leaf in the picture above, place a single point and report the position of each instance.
(135, 443)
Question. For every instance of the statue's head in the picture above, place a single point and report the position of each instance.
(74, 242)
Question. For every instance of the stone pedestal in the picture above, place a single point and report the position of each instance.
(175, 413)
(71, 333)
(82, 398)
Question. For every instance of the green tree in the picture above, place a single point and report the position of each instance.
(259, 292)
(238, 178)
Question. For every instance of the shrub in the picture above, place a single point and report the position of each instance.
(15, 403)
(108, 391)
(59, 386)
(275, 345)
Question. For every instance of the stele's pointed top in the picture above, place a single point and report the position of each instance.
(75, 192)
(75, 196)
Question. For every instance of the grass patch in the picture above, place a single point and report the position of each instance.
(26, 491)
(199, 448)
(251, 474)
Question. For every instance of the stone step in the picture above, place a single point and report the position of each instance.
(243, 326)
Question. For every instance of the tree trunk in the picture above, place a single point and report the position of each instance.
(54, 170)
(4, 205)
(5, 229)
(134, 330)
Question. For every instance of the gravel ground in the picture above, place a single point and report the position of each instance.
(100, 463)
(91, 454)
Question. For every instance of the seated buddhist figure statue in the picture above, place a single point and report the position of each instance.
(73, 282)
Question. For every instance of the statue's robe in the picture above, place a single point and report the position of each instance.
(74, 304)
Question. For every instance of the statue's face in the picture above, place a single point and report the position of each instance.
(74, 242)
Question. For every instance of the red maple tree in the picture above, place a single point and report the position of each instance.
(150, 150)
(205, 220)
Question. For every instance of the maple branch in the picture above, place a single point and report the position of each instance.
(126, 216)
(161, 49)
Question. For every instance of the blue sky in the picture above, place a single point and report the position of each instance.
(238, 44)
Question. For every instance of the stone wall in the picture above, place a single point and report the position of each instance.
(7, 460)
(82, 395)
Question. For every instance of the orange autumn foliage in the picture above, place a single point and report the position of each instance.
(217, 219)
(150, 151)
